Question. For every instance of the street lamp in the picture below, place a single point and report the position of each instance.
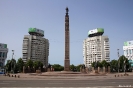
(12, 60)
(118, 60)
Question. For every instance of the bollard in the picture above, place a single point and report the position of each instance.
(18, 76)
(15, 76)
(9, 75)
(12, 75)
(115, 75)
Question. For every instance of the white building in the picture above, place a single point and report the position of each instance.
(3, 54)
(128, 49)
(35, 47)
(96, 47)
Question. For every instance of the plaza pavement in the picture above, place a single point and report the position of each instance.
(58, 77)
(30, 81)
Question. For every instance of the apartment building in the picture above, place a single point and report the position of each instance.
(3, 54)
(35, 47)
(96, 47)
(128, 51)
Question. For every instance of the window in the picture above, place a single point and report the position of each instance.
(127, 52)
(130, 51)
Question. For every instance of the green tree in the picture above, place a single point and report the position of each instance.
(93, 64)
(104, 63)
(37, 64)
(20, 65)
(29, 63)
(78, 67)
(121, 63)
(99, 64)
(58, 67)
(8, 66)
(114, 65)
(72, 67)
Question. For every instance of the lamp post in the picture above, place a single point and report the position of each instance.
(12, 60)
(118, 60)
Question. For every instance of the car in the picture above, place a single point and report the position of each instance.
(2, 73)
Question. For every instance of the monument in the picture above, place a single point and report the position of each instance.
(67, 60)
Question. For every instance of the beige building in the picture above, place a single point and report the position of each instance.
(35, 47)
(96, 48)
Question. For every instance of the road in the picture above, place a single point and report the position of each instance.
(82, 82)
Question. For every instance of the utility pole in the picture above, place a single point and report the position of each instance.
(118, 60)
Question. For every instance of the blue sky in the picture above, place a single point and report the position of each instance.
(115, 16)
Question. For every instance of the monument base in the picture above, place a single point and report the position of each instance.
(95, 71)
(69, 72)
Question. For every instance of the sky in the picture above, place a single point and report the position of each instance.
(17, 16)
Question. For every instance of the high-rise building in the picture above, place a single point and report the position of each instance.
(128, 51)
(3, 54)
(96, 47)
(35, 47)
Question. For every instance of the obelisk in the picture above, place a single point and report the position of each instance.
(67, 60)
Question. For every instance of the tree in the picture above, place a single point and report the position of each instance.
(8, 66)
(78, 67)
(121, 63)
(20, 65)
(114, 65)
(29, 63)
(104, 63)
(99, 64)
(93, 64)
(37, 64)
(58, 67)
(72, 67)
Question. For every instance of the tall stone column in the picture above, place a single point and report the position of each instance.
(67, 60)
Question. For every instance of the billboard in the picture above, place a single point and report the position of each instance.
(36, 30)
(3, 45)
(128, 43)
(97, 30)
(127, 47)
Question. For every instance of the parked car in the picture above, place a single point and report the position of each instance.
(2, 73)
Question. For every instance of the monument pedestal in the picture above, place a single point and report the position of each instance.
(66, 65)
(108, 69)
(104, 69)
(98, 69)
(95, 71)
(48, 70)
(92, 69)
